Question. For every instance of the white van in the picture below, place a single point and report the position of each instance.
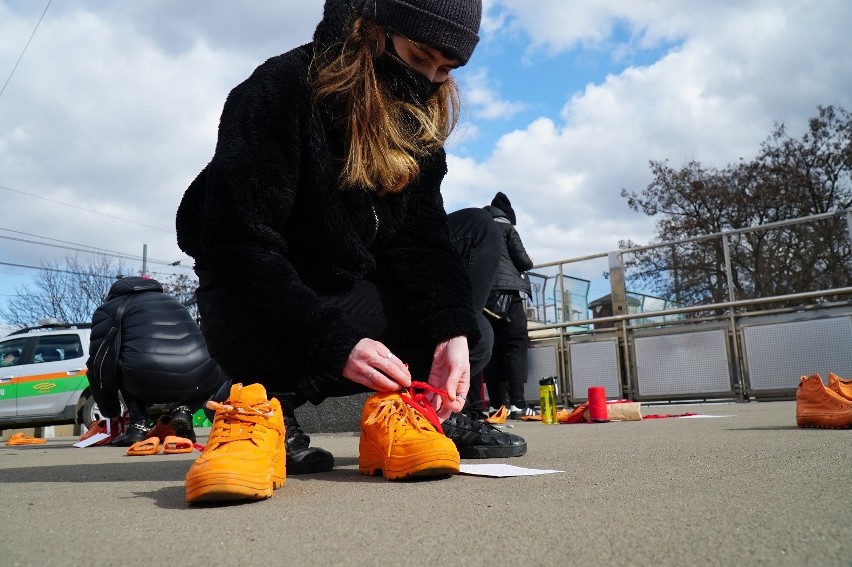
(43, 376)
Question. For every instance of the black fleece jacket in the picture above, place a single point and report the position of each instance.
(267, 221)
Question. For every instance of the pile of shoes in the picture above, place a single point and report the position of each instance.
(825, 407)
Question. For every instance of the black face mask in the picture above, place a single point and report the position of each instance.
(406, 83)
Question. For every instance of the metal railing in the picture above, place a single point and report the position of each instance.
(733, 289)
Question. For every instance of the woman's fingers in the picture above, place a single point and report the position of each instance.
(373, 365)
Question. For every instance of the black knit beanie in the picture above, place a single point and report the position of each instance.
(448, 25)
(501, 201)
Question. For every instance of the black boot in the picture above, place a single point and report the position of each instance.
(134, 433)
(477, 440)
(301, 457)
(138, 428)
(181, 422)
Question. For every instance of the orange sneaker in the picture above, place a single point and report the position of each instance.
(244, 457)
(840, 385)
(401, 436)
(817, 406)
(498, 416)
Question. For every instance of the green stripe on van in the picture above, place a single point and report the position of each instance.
(60, 385)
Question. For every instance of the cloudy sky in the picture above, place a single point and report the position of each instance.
(110, 109)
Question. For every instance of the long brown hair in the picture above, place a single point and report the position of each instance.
(384, 136)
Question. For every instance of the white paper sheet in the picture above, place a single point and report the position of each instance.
(500, 470)
(94, 438)
(703, 416)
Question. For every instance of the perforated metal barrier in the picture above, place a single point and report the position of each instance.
(594, 363)
(699, 360)
(778, 354)
(685, 363)
(542, 362)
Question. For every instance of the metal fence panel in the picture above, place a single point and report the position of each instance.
(594, 363)
(778, 354)
(683, 364)
(542, 362)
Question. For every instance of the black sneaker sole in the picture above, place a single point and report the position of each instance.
(492, 451)
(182, 424)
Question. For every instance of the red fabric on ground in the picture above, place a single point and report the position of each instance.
(662, 415)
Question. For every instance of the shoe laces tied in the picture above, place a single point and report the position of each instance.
(237, 422)
(394, 414)
(417, 397)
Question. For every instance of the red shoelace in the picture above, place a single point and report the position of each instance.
(416, 397)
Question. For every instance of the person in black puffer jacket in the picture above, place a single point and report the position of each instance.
(508, 364)
(161, 358)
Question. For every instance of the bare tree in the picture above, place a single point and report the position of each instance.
(183, 288)
(69, 292)
(790, 178)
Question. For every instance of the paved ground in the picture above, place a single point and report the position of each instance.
(750, 489)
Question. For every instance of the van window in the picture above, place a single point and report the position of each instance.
(10, 352)
(52, 348)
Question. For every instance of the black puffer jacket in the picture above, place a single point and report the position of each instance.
(163, 358)
(513, 259)
(268, 224)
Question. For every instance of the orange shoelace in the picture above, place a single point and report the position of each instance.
(396, 415)
(237, 422)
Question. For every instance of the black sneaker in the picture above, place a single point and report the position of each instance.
(181, 422)
(516, 413)
(301, 457)
(135, 432)
(477, 440)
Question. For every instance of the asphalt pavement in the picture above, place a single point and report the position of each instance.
(744, 488)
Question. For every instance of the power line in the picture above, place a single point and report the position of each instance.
(25, 48)
(103, 253)
(85, 209)
(57, 270)
(86, 249)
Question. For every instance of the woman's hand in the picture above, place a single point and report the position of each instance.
(373, 365)
(450, 372)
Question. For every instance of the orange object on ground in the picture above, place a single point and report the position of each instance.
(244, 457)
(149, 446)
(174, 444)
(499, 416)
(401, 436)
(840, 385)
(21, 439)
(818, 406)
(577, 415)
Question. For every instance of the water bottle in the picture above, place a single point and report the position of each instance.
(547, 397)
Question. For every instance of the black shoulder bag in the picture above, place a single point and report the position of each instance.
(108, 352)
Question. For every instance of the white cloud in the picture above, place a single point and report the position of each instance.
(739, 69)
(485, 100)
(114, 107)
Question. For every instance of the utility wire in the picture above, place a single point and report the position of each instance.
(103, 253)
(25, 48)
(84, 209)
(86, 248)
(55, 270)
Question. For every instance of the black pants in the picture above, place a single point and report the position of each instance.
(508, 365)
(375, 306)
